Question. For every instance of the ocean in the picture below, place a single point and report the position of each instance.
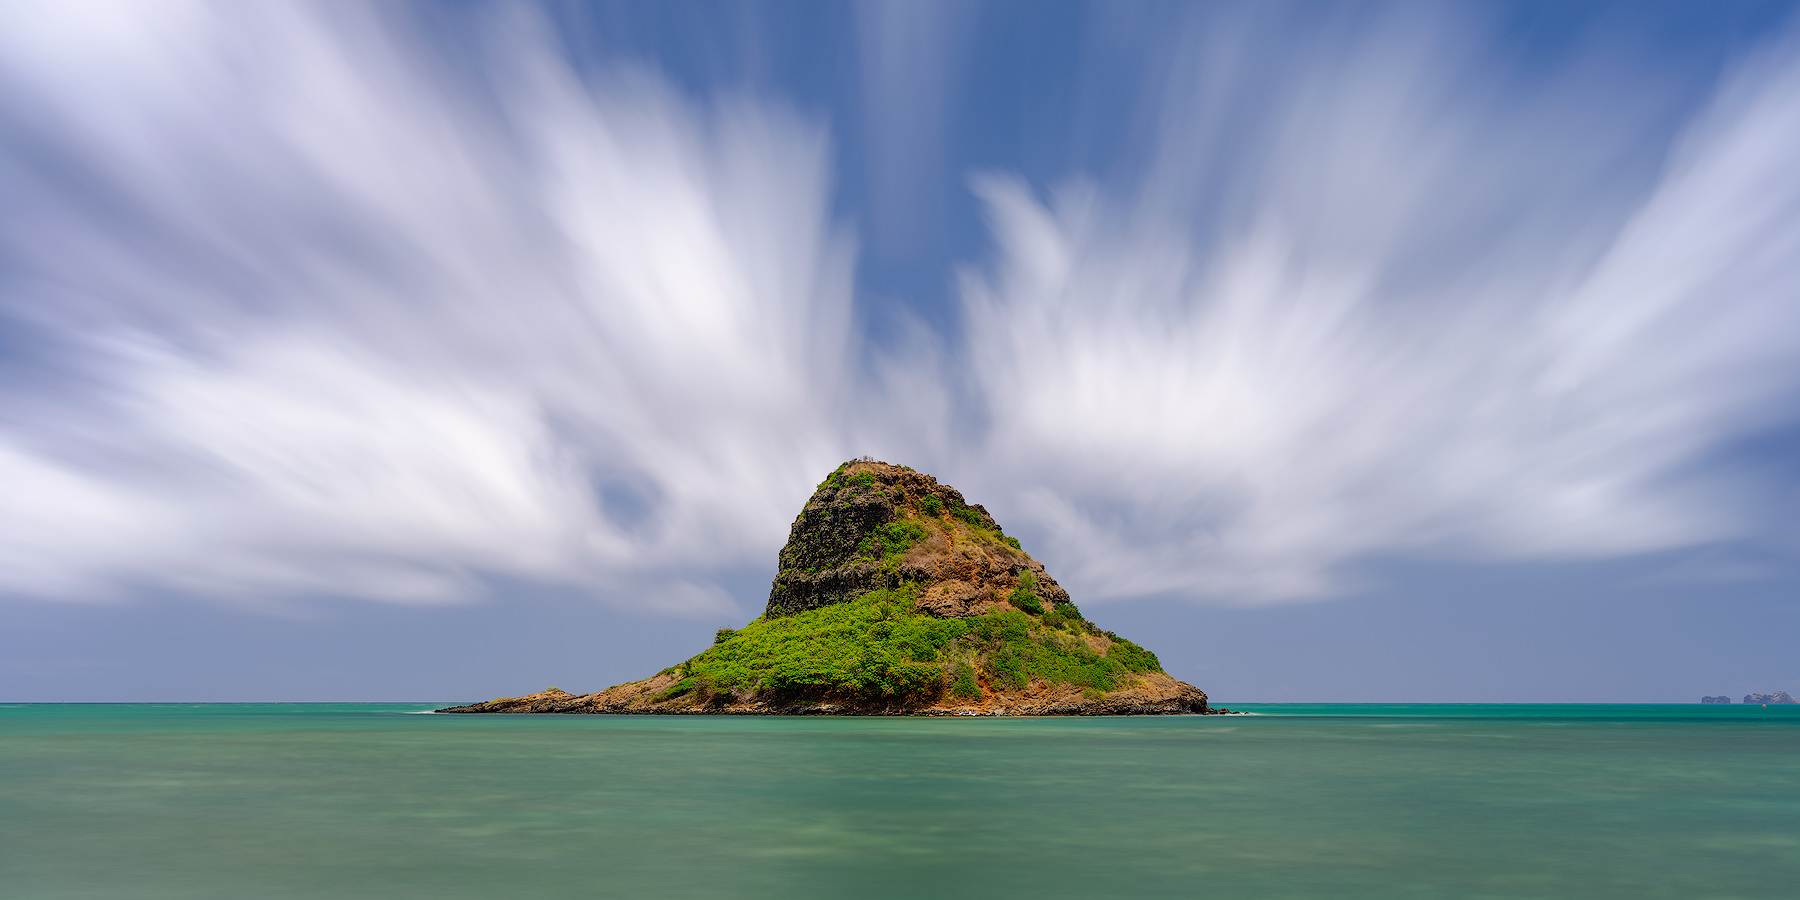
(1342, 801)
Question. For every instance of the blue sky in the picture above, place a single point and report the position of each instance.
(1337, 352)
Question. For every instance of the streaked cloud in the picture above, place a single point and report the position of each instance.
(342, 328)
(317, 308)
(1241, 402)
(909, 55)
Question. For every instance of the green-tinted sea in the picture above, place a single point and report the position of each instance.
(376, 801)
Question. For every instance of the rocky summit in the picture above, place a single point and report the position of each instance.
(895, 596)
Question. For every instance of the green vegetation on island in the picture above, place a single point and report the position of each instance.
(880, 650)
(895, 595)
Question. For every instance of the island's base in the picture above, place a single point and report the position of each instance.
(1150, 694)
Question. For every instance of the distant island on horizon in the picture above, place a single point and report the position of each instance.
(894, 596)
(1779, 698)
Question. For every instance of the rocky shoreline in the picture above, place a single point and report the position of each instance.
(1156, 695)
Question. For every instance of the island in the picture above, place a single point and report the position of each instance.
(894, 596)
(1779, 697)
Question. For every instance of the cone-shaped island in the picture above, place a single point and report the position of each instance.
(896, 597)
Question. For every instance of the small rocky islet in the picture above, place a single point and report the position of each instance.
(1779, 698)
(895, 596)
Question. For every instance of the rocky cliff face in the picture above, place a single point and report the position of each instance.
(872, 525)
(896, 596)
(1777, 697)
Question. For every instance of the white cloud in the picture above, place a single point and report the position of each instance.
(329, 312)
(1238, 408)
(344, 329)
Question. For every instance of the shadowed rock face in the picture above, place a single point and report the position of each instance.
(965, 564)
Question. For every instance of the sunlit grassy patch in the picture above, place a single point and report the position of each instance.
(878, 649)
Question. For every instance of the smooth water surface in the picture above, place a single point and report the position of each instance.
(372, 800)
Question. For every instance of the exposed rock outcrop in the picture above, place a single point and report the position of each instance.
(895, 596)
(831, 555)
(1715, 699)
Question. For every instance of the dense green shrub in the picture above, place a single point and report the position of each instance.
(1063, 615)
(879, 650)
(1025, 600)
(889, 541)
(872, 649)
(963, 685)
(865, 479)
(1010, 667)
(1004, 627)
(932, 506)
(1014, 652)
(1132, 657)
(720, 636)
(1012, 542)
(1025, 595)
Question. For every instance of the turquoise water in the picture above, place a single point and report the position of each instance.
(370, 800)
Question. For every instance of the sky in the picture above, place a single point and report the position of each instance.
(1357, 352)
